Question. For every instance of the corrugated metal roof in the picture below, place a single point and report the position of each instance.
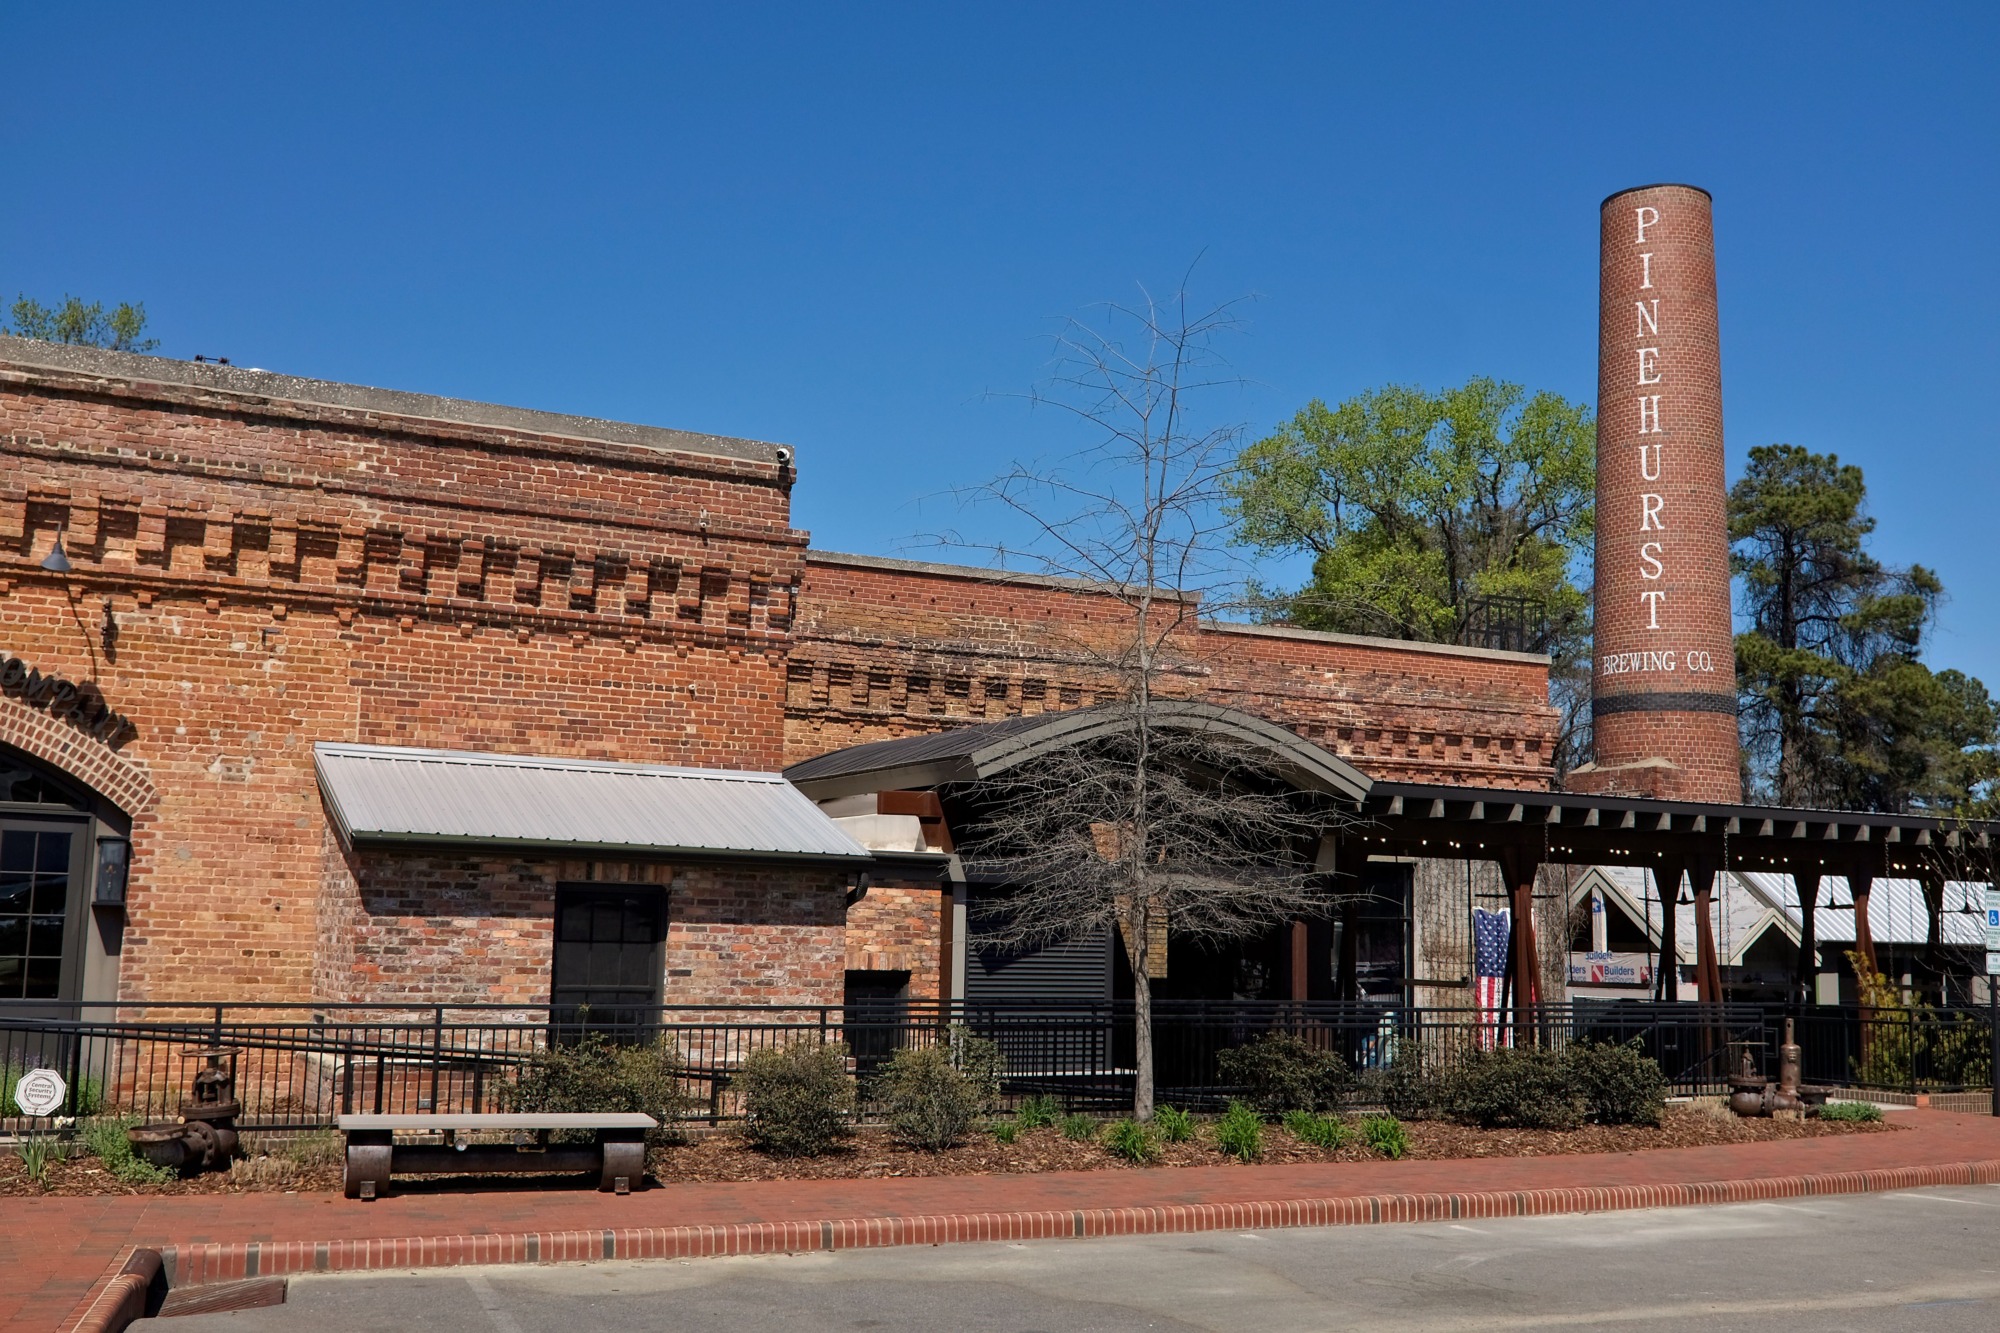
(1752, 901)
(1896, 910)
(384, 793)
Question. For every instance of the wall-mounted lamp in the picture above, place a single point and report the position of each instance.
(114, 860)
(57, 560)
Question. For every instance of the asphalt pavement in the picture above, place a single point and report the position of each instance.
(1920, 1260)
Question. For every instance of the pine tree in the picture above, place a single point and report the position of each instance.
(1837, 708)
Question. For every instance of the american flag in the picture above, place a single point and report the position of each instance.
(1490, 931)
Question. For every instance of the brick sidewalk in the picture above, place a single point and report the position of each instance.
(54, 1251)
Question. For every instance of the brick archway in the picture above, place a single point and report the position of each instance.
(82, 758)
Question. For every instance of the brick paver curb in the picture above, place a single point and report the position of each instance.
(194, 1264)
(122, 1297)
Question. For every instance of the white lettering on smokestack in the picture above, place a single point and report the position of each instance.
(1649, 414)
(1652, 506)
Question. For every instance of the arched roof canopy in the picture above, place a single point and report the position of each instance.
(969, 755)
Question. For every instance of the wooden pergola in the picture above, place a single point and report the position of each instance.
(1521, 831)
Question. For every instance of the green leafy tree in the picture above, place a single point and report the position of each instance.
(1837, 708)
(122, 329)
(1434, 516)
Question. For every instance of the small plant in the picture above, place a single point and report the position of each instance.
(1385, 1137)
(1079, 1128)
(1240, 1133)
(37, 1151)
(1619, 1085)
(1522, 1087)
(934, 1094)
(1320, 1131)
(321, 1147)
(104, 1137)
(1132, 1141)
(798, 1099)
(1004, 1131)
(1038, 1112)
(1174, 1124)
(1280, 1073)
(264, 1173)
(1866, 1113)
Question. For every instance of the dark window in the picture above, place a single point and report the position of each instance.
(21, 784)
(34, 896)
(877, 1014)
(608, 954)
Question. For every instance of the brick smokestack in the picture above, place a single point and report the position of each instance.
(1663, 698)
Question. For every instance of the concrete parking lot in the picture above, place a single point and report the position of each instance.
(1919, 1260)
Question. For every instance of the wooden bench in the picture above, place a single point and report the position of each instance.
(617, 1154)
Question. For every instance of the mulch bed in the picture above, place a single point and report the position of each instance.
(870, 1154)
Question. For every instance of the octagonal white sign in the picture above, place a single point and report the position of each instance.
(40, 1092)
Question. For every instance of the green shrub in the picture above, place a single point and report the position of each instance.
(1003, 1131)
(1619, 1085)
(1384, 1135)
(1132, 1141)
(933, 1094)
(1280, 1073)
(595, 1075)
(1863, 1112)
(1320, 1131)
(1906, 1038)
(798, 1099)
(1409, 1089)
(1174, 1124)
(1522, 1087)
(1240, 1133)
(1081, 1128)
(104, 1138)
(1038, 1112)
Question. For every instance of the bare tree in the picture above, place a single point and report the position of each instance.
(1157, 824)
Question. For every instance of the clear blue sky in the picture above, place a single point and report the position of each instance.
(842, 226)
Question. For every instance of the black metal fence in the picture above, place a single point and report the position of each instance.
(299, 1066)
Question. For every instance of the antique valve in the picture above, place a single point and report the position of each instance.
(206, 1136)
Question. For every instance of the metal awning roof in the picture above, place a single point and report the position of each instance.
(391, 794)
(972, 753)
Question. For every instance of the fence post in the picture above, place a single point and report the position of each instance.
(437, 1052)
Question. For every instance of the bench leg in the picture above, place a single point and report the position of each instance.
(624, 1166)
(368, 1169)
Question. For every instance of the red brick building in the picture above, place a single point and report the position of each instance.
(253, 565)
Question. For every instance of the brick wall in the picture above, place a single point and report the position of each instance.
(886, 648)
(900, 928)
(403, 928)
(280, 572)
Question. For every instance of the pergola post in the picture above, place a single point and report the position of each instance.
(1707, 968)
(1933, 882)
(1667, 879)
(1806, 975)
(1518, 865)
(1860, 883)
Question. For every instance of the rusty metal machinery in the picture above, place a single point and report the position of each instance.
(1750, 1095)
(205, 1138)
